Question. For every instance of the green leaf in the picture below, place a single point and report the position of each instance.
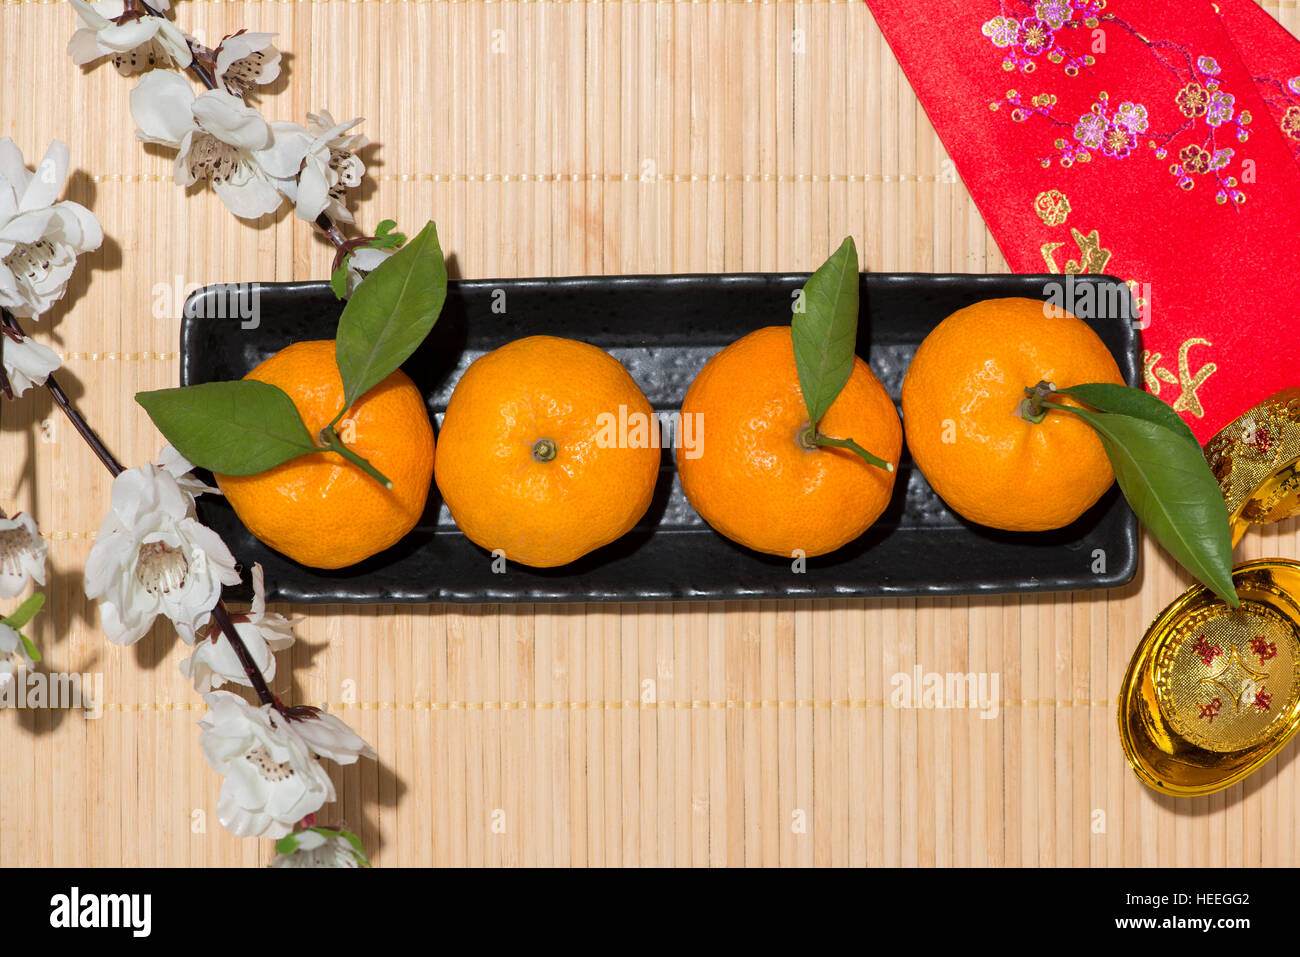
(287, 844)
(1171, 488)
(339, 278)
(1125, 400)
(32, 652)
(390, 314)
(25, 612)
(385, 238)
(826, 332)
(357, 847)
(236, 428)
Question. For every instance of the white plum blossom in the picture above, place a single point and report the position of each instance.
(214, 661)
(317, 164)
(271, 780)
(330, 737)
(153, 557)
(40, 238)
(11, 644)
(27, 362)
(136, 44)
(364, 261)
(319, 847)
(243, 61)
(181, 469)
(218, 139)
(22, 554)
(326, 179)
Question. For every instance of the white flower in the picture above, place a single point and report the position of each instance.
(27, 362)
(152, 557)
(40, 239)
(342, 170)
(135, 44)
(22, 554)
(317, 164)
(271, 779)
(329, 737)
(181, 469)
(11, 644)
(362, 262)
(214, 663)
(318, 847)
(218, 139)
(245, 61)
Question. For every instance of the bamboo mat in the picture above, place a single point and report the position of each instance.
(557, 138)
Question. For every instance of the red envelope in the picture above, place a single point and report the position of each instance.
(1129, 138)
(1272, 55)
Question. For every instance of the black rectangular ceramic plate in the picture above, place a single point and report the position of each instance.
(664, 328)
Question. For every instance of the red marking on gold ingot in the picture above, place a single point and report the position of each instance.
(1212, 657)
(1256, 459)
(1212, 692)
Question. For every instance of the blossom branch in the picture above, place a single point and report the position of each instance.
(61, 399)
(253, 166)
(84, 429)
(203, 74)
(254, 674)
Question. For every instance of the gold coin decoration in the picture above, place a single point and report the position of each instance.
(1212, 693)
(1229, 678)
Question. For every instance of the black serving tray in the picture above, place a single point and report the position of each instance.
(664, 328)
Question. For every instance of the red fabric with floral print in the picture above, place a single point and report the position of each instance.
(1129, 137)
(1272, 56)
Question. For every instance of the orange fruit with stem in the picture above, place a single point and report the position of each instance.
(320, 509)
(759, 479)
(962, 411)
(528, 463)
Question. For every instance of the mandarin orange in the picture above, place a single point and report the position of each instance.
(961, 398)
(755, 480)
(320, 509)
(527, 463)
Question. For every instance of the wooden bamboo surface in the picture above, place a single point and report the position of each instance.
(559, 138)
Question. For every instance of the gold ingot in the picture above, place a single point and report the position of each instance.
(1212, 692)
(1256, 459)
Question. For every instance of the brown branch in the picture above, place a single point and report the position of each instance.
(219, 613)
(5, 388)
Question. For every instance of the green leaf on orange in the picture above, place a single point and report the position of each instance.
(236, 428)
(1173, 492)
(825, 332)
(389, 314)
(1138, 403)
